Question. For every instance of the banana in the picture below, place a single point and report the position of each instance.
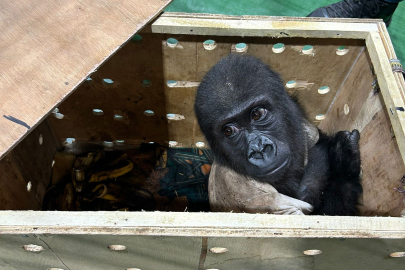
(116, 170)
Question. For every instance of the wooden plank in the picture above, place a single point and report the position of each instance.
(257, 17)
(50, 47)
(88, 252)
(389, 87)
(200, 224)
(262, 26)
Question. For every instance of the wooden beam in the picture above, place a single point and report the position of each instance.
(393, 96)
(195, 24)
(199, 224)
(49, 47)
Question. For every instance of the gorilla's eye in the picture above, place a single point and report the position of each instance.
(229, 130)
(258, 113)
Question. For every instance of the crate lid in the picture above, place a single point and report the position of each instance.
(48, 48)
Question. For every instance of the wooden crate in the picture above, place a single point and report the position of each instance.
(159, 240)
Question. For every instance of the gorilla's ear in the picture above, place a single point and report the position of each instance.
(311, 132)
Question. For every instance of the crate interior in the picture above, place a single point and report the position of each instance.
(148, 75)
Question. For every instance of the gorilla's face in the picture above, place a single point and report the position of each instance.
(256, 135)
(248, 119)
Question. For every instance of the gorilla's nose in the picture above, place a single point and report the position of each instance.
(261, 149)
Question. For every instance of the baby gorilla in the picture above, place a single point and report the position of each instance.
(256, 129)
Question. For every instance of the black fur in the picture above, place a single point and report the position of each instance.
(272, 148)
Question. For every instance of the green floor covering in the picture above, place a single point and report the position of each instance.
(283, 8)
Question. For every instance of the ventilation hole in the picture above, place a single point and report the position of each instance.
(137, 38)
(69, 141)
(307, 49)
(312, 252)
(278, 48)
(291, 84)
(171, 83)
(172, 42)
(59, 115)
(108, 82)
(320, 116)
(117, 247)
(241, 47)
(209, 44)
(342, 50)
(89, 80)
(118, 117)
(29, 186)
(199, 144)
(173, 143)
(346, 109)
(98, 112)
(397, 254)
(33, 248)
(176, 117)
(149, 113)
(146, 83)
(218, 250)
(323, 90)
(40, 139)
(108, 144)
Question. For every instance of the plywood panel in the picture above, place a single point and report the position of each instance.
(127, 96)
(355, 90)
(261, 254)
(382, 168)
(50, 47)
(92, 252)
(30, 162)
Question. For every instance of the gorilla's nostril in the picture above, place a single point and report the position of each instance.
(267, 148)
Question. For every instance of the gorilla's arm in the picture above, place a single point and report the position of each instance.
(316, 175)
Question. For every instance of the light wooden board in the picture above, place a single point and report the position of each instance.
(200, 224)
(393, 96)
(190, 61)
(50, 47)
(203, 24)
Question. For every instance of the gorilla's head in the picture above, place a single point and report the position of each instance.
(249, 121)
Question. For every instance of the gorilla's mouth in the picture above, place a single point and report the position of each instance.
(274, 169)
(260, 154)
